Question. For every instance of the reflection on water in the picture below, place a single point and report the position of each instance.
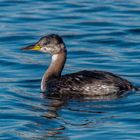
(99, 35)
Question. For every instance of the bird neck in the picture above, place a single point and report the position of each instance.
(54, 70)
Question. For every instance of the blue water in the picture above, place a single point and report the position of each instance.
(102, 35)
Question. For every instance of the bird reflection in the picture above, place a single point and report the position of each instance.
(55, 103)
(53, 106)
(90, 114)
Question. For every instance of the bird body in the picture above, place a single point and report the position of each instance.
(88, 83)
(80, 84)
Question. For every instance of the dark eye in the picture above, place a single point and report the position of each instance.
(45, 43)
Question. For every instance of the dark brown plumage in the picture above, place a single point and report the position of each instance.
(88, 83)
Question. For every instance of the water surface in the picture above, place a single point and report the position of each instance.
(102, 35)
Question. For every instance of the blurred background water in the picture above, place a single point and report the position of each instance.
(102, 35)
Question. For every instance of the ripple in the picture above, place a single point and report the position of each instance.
(99, 35)
(134, 31)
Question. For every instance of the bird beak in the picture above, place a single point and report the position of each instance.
(32, 47)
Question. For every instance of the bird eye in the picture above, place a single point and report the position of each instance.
(45, 44)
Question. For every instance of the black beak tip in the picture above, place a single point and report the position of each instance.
(22, 49)
(27, 48)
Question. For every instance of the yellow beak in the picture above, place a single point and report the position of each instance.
(32, 47)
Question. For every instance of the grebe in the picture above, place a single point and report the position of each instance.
(83, 83)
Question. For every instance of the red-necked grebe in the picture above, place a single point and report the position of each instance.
(83, 83)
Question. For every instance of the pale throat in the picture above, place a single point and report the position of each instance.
(54, 70)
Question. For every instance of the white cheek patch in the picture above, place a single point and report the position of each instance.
(54, 57)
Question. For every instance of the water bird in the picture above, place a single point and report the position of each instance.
(80, 84)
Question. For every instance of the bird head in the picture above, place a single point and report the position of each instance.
(52, 44)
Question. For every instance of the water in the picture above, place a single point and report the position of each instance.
(102, 35)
